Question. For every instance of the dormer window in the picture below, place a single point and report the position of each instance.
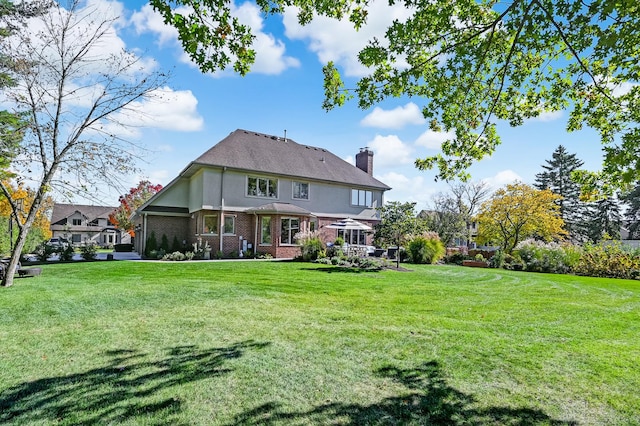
(76, 222)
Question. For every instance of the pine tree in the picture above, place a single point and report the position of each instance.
(605, 220)
(557, 178)
(632, 213)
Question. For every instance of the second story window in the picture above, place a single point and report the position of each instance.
(301, 190)
(360, 197)
(76, 222)
(262, 187)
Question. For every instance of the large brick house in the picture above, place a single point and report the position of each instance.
(80, 224)
(253, 191)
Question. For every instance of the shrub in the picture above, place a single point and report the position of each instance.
(455, 258)
(609, 259)
(497, 260)
(175, 245)
(151, 245)
(426, 248)
(44, 252)
(175, 256)
(311, 245)
(164, 243)
(88, 251)
(66, 254)
(539, 256)
(189, 255)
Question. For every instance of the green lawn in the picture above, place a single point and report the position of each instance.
(260, 343)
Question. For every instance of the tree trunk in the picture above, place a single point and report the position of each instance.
(15, 257)
(7, 281)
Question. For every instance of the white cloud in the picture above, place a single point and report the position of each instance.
(147, 20)
(548, 116)
(622, 88)
(164, 109)
(407, 189)
(390, 151)
(502, 178)
(270, 52)
(396, 118)
(434, 140)
(338, 41)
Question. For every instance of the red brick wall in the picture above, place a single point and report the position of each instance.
(165, 225)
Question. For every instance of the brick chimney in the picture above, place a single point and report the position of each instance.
(364, 160)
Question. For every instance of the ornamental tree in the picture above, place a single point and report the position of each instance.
(517, 212)
(473, 64)
(130, 202)
(75, 88)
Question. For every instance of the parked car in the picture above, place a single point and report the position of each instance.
(58, 242)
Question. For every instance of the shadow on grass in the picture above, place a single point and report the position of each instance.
(131, 386)
(429, 400)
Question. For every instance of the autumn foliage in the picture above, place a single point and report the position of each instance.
(24, 196)
(130, 202)
(518, 212)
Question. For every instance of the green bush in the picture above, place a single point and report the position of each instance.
(609, 259)
(151, 245)
(455, 258)
(175, 245)
(311, 245)
(89, 251)
(44, 251)
(66, 254)
(176, 256)
(426, 248)
(164, 243)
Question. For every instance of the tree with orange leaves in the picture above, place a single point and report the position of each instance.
(23, 199)
(129, 203)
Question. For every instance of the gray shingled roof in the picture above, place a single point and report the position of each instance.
(61, 211)
(261, 153)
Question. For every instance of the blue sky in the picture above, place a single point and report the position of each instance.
(284, 92)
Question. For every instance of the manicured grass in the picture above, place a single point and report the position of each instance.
(256, 343)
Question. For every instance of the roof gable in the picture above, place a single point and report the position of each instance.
(63, 211)
(261, 153)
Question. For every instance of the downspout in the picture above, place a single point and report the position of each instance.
(144, 234)
(221, 218)
(255, 237)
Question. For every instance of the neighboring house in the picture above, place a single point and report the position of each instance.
(253, 191)
(81, 224)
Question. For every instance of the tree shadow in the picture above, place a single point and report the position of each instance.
(429, 400)
(128, 387)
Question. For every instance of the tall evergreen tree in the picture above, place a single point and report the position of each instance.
(557, 178)
(632, 213)
(605, 220)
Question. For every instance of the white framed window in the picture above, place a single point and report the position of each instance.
(76, 222)
(210, 224)
(262, 187)
(289, 227)
(265, 230)
(360, 197)
(229, 225)
(300, 190)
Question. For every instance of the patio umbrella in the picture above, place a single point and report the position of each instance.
(352, 230)
(349, 224)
